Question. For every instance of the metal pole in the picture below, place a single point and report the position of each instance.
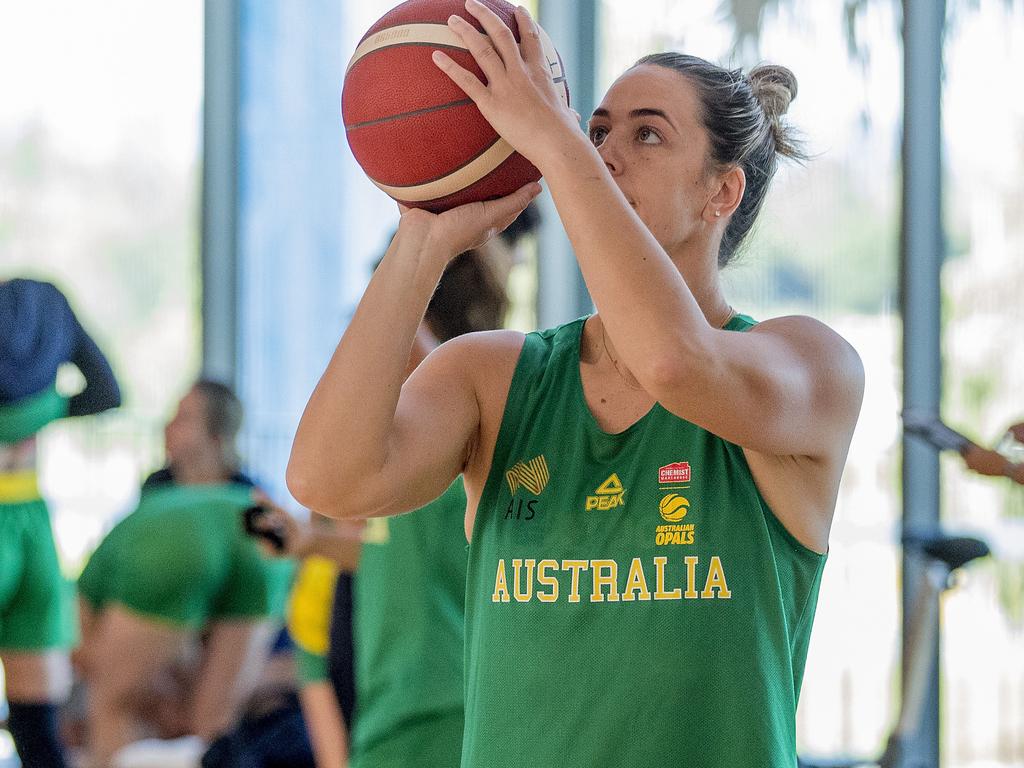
(561, 292)
(922, 248)
(220, 197)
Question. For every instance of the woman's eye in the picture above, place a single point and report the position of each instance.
(597, 135)
(648, 136)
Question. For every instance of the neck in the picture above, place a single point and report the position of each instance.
(699, 270)
(203, 472)
(700, 273)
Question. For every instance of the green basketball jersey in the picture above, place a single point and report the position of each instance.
(631, 600)
(408, 628)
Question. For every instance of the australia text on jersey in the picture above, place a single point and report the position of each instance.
(551, 581)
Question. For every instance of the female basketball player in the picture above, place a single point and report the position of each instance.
(650, 489)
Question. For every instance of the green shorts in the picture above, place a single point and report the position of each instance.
(310, 667)
(23, 418)
(183, 558)
(35, 612)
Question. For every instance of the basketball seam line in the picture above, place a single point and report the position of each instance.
(405, 44)
(413, 113)
(449, 173)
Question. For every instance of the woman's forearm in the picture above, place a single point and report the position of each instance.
(642, 298)
(343, 434)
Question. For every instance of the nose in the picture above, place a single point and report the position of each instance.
(612, 156)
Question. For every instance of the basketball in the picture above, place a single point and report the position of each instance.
(673, 508)
(414, 132)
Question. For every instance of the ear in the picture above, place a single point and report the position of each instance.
(728, 194)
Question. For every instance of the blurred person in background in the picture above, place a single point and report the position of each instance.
(39, 332)
(1005, 460)
(327, 552)
(179, 567)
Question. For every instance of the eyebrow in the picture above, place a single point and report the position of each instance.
(642, 112)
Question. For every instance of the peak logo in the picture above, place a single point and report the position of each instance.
(533, 475)
(609, 495)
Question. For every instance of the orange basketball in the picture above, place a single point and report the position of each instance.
(412, 130)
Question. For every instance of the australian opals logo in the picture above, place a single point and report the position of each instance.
(673, 509)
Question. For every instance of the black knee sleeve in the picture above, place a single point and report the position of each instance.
(34, 730)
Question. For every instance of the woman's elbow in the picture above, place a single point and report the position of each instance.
(304, 487)
(322, 492)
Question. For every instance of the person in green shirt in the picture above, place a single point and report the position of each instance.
(650, 488)
(179, 566)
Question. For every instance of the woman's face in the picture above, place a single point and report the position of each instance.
(647, 129)
(186, 435)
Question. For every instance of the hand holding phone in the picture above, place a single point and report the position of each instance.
(931, 429)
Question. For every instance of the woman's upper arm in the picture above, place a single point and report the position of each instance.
(789, 386)
(436, 426)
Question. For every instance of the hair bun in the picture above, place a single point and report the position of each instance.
(774, 87)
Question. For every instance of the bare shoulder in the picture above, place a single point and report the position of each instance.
(485, 356)
(809, 334)
(833, 364)
(482, 362)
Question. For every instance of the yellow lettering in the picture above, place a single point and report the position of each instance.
(592, 502)
(691, 576)
(636, 583)
(659, 584)
(716, 580)
(501, 594)
(606, 573)
(547, 581)
(575, 566)
(522, 596)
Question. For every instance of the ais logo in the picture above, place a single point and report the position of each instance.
(609, 495)
(673, 508)
(533, 475)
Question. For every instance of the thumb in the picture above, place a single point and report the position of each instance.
(504, 210)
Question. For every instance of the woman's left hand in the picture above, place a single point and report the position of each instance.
(520, 100)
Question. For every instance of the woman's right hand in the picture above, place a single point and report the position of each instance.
(466, 227)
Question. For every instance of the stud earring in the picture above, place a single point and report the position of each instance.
(717, 214)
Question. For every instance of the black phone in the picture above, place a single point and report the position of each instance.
(933, 431)
(273, 536)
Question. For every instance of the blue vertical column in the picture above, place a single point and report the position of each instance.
(922, 250)
(220, 188)
(292, 274)
(561, 293)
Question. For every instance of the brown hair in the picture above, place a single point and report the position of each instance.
(223, 417)
(469, 297)
(743, 117)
